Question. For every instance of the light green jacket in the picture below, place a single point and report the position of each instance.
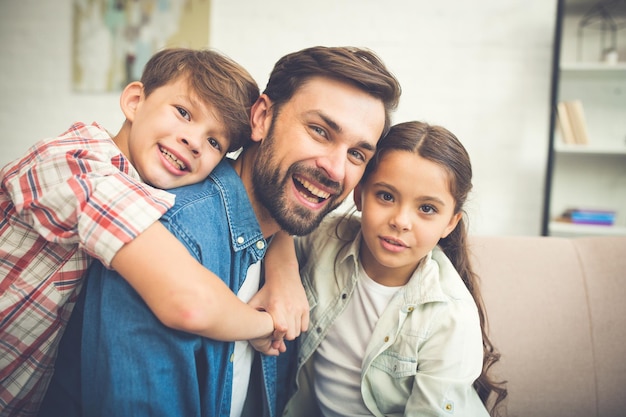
(426, 349)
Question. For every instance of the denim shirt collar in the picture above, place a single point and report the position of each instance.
(244, 227)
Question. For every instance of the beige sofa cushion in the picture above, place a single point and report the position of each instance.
(537, 307)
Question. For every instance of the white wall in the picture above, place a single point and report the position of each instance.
(481, 68)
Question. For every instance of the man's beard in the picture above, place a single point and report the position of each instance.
(269, 189)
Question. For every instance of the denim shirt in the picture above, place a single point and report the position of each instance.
(134, 365)
(426, 348)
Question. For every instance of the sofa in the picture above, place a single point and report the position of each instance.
(556, 309)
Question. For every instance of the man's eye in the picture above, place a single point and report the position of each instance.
(183, 112)
(214, 143)
(319, 131)
(357, 155)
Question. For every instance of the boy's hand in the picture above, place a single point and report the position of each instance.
(272, 345)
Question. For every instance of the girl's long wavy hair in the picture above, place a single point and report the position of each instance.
(440, 146)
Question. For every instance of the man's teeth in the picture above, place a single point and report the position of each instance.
(173, 159)
(320, 194)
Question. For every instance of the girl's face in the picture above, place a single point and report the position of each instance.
(406, 208)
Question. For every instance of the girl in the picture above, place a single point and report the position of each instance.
(397, 321)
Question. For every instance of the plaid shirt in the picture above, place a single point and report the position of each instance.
(70, 199)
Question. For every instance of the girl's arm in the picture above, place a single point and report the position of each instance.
(183, 294)
(283, 294)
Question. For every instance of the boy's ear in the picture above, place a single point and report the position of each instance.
(357, 197)
(131, 96)
(261, 117)
(453, 222)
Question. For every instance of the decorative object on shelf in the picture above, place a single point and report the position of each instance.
(608, 16)
(588, 216)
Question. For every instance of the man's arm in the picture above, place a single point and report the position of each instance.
(183, 294)
(283, 295)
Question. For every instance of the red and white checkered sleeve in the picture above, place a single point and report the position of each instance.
(82, 198)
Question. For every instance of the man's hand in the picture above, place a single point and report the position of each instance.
(283, 295)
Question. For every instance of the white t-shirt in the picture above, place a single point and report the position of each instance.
(243, 355)
(338, 359)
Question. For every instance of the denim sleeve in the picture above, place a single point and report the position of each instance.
(131, 363)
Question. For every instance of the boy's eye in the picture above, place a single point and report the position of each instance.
(183, 112)
(214, 143)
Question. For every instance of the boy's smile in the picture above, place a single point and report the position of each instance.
(174, 139)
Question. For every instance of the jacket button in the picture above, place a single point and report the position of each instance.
(240, 240)
(260, 244)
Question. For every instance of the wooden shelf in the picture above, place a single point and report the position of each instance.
(563, 148)
(589, 67)
(569, 229)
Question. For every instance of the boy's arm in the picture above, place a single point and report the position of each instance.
(283, 295)
(183, 294)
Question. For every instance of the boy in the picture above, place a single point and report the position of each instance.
(82, 195)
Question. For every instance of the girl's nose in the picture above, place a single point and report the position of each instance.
(401, 220)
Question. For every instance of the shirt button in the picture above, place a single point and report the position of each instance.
(240, 240)
(386, 339)
(260, 244)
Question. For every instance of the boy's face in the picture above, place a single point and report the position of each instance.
(314, 151)
(175, 139)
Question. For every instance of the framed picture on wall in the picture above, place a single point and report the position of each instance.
(113, 39)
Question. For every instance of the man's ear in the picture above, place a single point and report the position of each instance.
(357, 197)
(131, 97)
(261, 117)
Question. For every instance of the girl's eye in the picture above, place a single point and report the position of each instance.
(183, 112)
(385, 196)
(214, 143)
(428, 209)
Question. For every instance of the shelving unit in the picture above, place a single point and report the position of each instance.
(591, 176)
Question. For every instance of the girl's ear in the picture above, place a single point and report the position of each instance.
(357, 197)
(453, 222)
(131, 97)
(261, 117)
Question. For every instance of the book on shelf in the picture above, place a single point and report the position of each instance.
(588, 216)
(572, 123)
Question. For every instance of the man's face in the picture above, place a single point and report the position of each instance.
(315, 151)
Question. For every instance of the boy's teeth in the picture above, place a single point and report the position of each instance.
(173, 159)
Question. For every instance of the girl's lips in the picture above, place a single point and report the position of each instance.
(392, 244)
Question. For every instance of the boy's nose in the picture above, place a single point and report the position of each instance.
(192, 145)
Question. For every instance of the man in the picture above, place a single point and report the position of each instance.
(314, 129)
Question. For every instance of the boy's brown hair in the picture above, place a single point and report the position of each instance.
(215, 78)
